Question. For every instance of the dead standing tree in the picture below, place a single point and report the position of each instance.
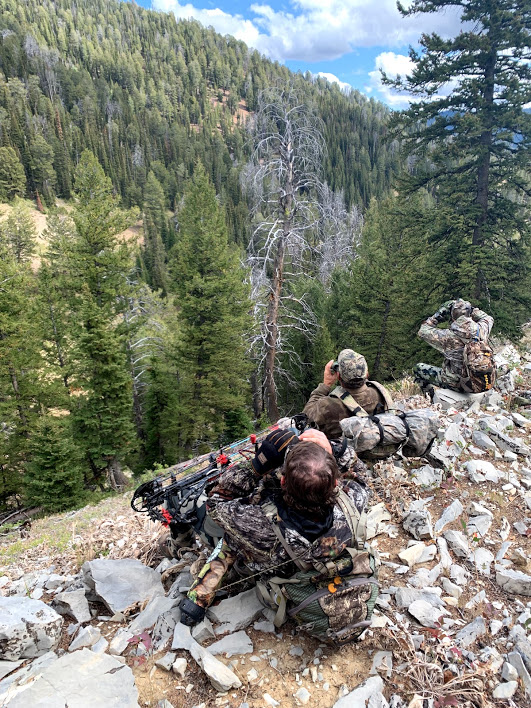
(283, 182)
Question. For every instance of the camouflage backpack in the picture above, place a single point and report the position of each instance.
(331, 601)
(480, 367)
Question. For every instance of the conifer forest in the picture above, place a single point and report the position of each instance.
(216, 228)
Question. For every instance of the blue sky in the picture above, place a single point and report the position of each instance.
(348, 40)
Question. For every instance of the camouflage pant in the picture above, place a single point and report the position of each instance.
(427, 375)
(211, 575)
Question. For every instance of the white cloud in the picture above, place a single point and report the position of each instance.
(334, 80)
(316, 30)
(393, 65)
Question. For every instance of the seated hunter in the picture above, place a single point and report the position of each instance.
(346, 391)
(271, 528)
(466, 323)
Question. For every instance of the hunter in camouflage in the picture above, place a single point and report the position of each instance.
(251, 506)
(354, 394)
(466, 322)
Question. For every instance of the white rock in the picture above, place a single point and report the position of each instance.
(514, 581)
(166, 662)
(179, 667)
(302, 696)
(377, 516)
(237, 643)
(427, 477)
(86, 637)
(458, 543)
(270, 701)
(28, 628)
(426, 614)
(236, 612)
(80, 679)
(482, 560)
(451, 588)
(505, 690)
(495, 626)
(74, 604)
(121, 583)
(509, 673)
(472, 631)
(450, 514)
(359, 697)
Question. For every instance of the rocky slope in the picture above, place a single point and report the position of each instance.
(93, 621)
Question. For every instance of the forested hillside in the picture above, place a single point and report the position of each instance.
(281, 221)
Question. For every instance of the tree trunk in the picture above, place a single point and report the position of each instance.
(116, 477)
(258, 403)
(272, 333)
(482, 195)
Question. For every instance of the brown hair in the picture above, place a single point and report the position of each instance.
(310, 474)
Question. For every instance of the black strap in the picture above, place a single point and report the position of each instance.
(380, 427)
(402, 416)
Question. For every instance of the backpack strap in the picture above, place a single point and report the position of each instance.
(389, 403)
(348, 401)
(302, 565)
(357, 522)
(374, 419)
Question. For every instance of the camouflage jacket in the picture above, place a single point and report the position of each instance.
(326, 411)
(451, 346)
(237, 504)
(240, 504)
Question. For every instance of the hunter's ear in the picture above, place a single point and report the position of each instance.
(282, 481)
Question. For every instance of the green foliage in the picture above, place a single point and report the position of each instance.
(17, 233)
(54, 476)
(474, 146)
(12, 177)
(157, 235)
(213, 304)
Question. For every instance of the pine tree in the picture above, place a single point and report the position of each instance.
(99, 262)
(54, 474)
(12, 177)
(17, 232)
(475, 140)
(213, 303)
(156, 231)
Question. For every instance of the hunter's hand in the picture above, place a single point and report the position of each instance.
(329, 376)
(272, 451)
(443, 313)
(317, 437)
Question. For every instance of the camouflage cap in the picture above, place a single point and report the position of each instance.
(352, 366)
(465, 328)
(460, 308)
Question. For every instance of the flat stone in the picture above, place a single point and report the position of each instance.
(377, 516)
(413, 554)
(483, 441)
(482, 560)
(12, 683)
(451, 588)
(521, 420)
(484, 468)
(121, 583)
(86, 637)
(427, 477)
(504, 691)
(166, 662)
(479, 525)
(302, 696)
(28, 628)
(157, 606)
(455, 442)
(359, 697)
(450, 514)
(516, 660)
(419, 524)
(220, 676)
(509, 672)
(204, 631)
(404, 597)
(514, 581)
(6, 667)
(237, 643)
(446, 558)
(458, 543)
(120, 641)
(382, 664)
(74, 604)
(265, 626)
(164, 627)
(100, 646)
(426, 614)
(472, 631)
(236, 612)
(454, 399)
(74, 677)
(459, 574)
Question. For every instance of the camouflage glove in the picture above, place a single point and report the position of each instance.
(190, 612)
(443, 313)
(272, 451)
